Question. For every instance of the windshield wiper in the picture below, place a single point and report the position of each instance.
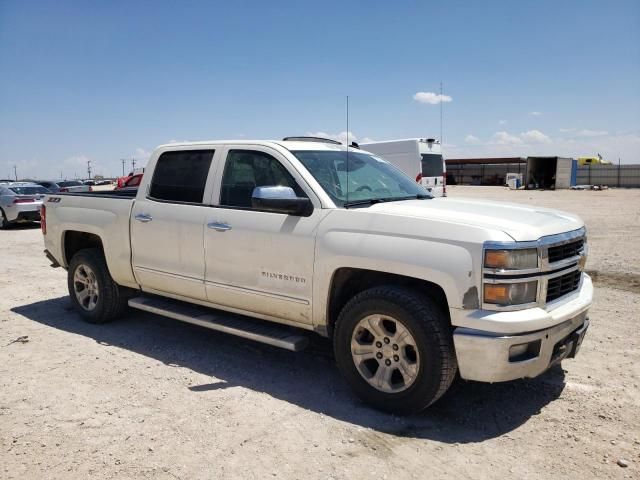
(373, 201)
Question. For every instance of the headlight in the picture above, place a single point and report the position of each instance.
(506, 294)
(511, 259)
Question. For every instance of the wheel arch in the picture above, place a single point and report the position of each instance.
(73, 241)
(346, 282)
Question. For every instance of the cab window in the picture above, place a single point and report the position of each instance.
(248, 169)
(181, 176)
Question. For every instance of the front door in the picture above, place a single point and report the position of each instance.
(259, 261)
(167, 225)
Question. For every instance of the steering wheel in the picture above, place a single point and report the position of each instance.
(363, 187)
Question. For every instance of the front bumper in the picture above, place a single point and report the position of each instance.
(487, 356)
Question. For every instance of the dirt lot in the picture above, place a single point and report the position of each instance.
(147, 397)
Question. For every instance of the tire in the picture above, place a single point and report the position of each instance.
(3, 220)
(103, 299)
(422, 364)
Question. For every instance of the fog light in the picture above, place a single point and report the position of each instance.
(524, 351)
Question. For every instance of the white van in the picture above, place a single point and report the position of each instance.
(419, 158)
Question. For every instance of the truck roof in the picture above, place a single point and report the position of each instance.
(288, 144)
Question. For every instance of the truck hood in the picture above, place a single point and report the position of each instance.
(521, 222)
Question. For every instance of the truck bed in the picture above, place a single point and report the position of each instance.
(104, 214)
(102, 194)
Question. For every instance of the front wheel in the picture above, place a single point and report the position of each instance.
(92, 290)
(394, 348)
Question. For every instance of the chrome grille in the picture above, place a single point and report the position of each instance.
(562, 285)
(566, 250)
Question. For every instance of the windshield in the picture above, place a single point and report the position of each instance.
(432, 165)
(368, 178)
(70, 184)
(28, 190)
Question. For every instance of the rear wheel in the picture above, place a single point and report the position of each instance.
(92, 290)
(3, 220)
(395, 349)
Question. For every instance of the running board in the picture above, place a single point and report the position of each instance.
(257, 330)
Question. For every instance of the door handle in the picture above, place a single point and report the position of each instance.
(143, 217)
(219, 226)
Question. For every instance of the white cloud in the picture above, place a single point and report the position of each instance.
(141, 154)
(472, 140)
(534, 136)
(584, 132)
(592, 133)
(431, 98)
(502, 122)
(504, 138)
(535, 114)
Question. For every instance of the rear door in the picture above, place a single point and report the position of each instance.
(259, 261)
(433, 172)
(167, 224)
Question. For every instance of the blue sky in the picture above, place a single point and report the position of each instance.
(111, 80)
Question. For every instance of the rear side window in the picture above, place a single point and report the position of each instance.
(28, 190)
(181, 176)
(432, 165)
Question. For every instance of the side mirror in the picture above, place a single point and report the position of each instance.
(280, 200)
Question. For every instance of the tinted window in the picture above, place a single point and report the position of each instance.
(28, 190)
(248, 169)
(432, 165)
(70, 184)
(181, 176)
(134, 181)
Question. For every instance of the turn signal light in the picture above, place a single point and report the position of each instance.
(507, 294)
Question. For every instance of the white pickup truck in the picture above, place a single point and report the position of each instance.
(314, 236)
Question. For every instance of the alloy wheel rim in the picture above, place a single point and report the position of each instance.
(385, 353)
(85, 287)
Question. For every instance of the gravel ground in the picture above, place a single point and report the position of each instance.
(147, 397)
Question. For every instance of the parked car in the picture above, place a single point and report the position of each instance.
(309, 236)
(62, 186)
(131, 183)
(20, 202)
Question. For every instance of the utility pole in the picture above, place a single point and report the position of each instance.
(133, 164)
(123, 160)
(89, 168)
(15, 172)
(440, 113)
(618, 172)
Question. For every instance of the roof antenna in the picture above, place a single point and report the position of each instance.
(347, 200)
